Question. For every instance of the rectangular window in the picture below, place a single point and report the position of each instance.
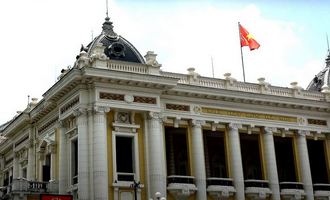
(177, 151)
(251, 156)
(46, 169)
(6, 180)
(24, 172)
(125, 158)
(285, 159)
(317, 160)
(74, 161)
(215, 158)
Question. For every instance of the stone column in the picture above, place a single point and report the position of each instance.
(156, 155)
(52, 161)
(63, 160)
(236, 160)
(305, 171)
(31, 157)
(268, 142)
(198, 158)
(100, 156)
(83, 164)
(15, 165)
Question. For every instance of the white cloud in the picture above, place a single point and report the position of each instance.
(39, 38)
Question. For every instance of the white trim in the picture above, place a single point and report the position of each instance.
(136, 166)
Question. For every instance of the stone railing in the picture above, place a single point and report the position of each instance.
(22, 185)
(128, 67)
(228, 83)
(258, 88)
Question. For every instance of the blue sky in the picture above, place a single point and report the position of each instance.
(40, 37)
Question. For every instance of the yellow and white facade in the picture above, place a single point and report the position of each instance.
(116, 117)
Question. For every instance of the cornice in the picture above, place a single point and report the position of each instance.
(129, 78)
(248, 98)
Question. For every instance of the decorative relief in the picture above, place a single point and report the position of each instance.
(301, 121)
(317, 122)
(249, 115)
(148, 100)
(69, 105)
(128, 98)
(122, 117)
(112, 96)
(177, 107)
(47, 125)
(197, 109)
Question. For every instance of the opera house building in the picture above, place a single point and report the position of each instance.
(116, 127)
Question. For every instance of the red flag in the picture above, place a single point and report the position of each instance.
(247, 39)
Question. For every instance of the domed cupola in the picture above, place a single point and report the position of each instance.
(321, 81)
(115, 46)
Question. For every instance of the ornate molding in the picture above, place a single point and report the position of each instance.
(69, 105)
(249, 115)
(47, 125)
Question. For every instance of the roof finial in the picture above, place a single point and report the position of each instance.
(327, 60)
(107, 13)
(327, 42)
(107, 25)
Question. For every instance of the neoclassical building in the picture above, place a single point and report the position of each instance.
(115, 119)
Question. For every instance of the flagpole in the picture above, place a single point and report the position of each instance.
(240, 45)
(212, 66)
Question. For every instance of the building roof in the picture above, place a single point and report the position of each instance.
(115, 46)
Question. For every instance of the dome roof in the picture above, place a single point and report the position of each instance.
(115, 46)
(321, 81)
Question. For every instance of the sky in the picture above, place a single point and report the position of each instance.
(38, 38)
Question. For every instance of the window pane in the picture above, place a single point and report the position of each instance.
(177, 151)
(215, 159)
(74, 154)
(250, 156)
(124, 154)
(285, 159)
(317, 161)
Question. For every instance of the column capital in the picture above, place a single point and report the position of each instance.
(79, 111)
(270, 130)
(197, 123)
(234, 126)
(155, 115)
(60, 124)
(101, 109)
(303, 133)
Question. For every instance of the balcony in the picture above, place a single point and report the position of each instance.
(257, 189)
(292, 190)
(22, 186)
(181, 187)
(321, 191)
(220, 188)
